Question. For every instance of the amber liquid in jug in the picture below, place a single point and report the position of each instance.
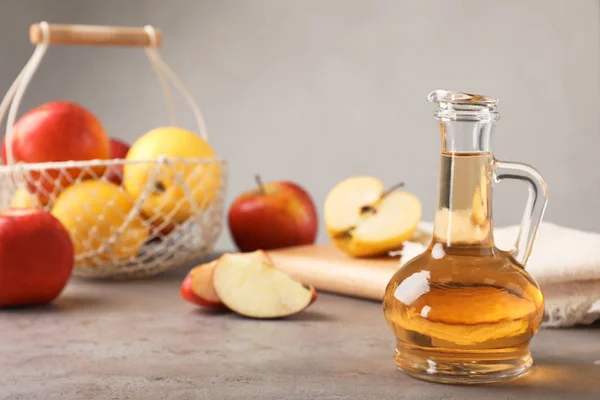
(464, 311)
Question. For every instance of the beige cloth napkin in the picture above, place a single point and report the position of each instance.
(565, 262)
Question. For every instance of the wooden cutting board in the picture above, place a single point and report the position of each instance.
(329, 270)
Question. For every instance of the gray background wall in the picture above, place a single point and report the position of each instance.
(315, 91)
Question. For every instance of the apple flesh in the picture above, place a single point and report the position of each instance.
(274, 215)
(363, 220)
(250, 285)
(118, 150)
(57, 131)
(197, 287)
(36, 257)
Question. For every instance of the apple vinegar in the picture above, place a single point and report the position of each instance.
(465, 311)
(468, 296)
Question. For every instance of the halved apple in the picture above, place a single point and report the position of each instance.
(197, 287)
(249, 284)
(362, 219)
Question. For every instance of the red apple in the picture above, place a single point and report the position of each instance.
(118, 150)
(36, 257)
(197, 287)
(58, 131)
(274, 215)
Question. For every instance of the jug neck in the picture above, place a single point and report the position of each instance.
(464, 210)
(466, 136)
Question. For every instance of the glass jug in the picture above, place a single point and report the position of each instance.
(464, 311)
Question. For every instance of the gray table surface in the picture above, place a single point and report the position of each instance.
(139, 340)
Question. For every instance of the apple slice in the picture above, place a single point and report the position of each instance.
(197, 287)
(363, 219)
(249, 284)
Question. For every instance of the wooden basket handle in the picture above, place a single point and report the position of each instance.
(94, 35)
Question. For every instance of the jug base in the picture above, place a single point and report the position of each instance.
(463, 367)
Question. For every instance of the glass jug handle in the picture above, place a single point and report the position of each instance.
(534, 209)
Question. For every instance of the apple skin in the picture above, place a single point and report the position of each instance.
(283, 214)
(23, 198)
(118, 150)
(315, 295)
(188, 293)
(36, 257)
(57, 131)
(168, 201)
(160, 228)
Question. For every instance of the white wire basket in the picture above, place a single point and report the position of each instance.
(175, 216)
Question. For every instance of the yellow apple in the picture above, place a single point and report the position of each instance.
(23, 198)
(363, 219)
(93, 211)
(167, 199)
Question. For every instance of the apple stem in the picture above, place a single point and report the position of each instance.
(390, 190)
(261, 186)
